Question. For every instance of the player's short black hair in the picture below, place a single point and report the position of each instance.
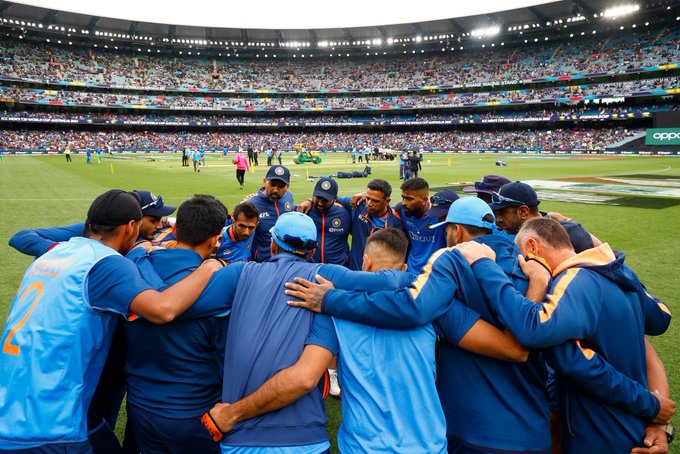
(380, 185)
(390, 241)
(415, 184)
(199, 218)
(248, 210)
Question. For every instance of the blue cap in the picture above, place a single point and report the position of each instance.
(327, 188)
(294, 232)
(278, 172)
(469, 211)
(514, 194)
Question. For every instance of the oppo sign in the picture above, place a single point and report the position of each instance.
(663, 136)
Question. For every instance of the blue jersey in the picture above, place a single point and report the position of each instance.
(258, 347)
(231, 249)
(175, 370)
(424, 242)
(269, 213)
(596, 308)
(416, 421)
(56, 339)
(363, 225)
(332, 233)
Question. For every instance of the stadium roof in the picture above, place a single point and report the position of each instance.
(171, 22)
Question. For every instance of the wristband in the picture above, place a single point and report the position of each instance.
(669, 429)
(212, 427)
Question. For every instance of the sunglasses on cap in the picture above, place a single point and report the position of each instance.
(498, 199)
(436, 201)
(157, 203)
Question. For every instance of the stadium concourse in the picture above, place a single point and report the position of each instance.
(459, 322)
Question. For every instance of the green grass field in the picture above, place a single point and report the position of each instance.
(41, 191)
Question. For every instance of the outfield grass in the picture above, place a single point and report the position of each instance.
(41, 191)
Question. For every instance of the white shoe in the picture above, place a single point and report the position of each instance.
(335, 386)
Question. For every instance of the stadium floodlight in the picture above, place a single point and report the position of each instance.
(485, 31)
(377, 42)
(390, 41)
(623, 10)
(419, 39)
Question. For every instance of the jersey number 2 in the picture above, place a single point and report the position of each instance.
(11, 348)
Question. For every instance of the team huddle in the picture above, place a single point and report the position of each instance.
(474, 324)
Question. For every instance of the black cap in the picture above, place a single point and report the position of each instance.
(278, 173)
(327, 188)
(115, 207)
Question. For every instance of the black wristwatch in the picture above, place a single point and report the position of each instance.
(669, 429)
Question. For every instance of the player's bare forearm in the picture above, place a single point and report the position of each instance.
(657, 382)
(164, 307)
(282, 389)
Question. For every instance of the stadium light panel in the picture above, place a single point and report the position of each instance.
(619, 11)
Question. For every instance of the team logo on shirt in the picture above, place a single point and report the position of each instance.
(226, 251)
(279, 171)
(326, 185)
(336, 222)
(288, 206)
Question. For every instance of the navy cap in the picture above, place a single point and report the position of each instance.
(469, 211)
(514, 194)
(294, 232)
(488, 185)
(440, 203)
(327, 188)
(153, 205)
(278, 172)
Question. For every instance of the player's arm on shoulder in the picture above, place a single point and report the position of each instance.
(286, 386)
(464, 327)
(164, 307)
(36, 242)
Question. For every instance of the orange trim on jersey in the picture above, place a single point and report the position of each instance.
(420, 282)
(323, 237)
(588, 353)
(600, 255)
(159, 238)
(553, 299)
(326, 384)
(230, 233)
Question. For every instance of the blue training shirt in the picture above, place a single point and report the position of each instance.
(175, 370)
(56, 339)
(332, 232)
(269, 213)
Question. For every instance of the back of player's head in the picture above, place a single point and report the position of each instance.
(389, 242)
(295, 232)
(547, 231)
(199, 218)
(415, 184)
(380, 185)
(247, 209)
